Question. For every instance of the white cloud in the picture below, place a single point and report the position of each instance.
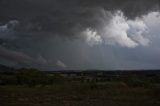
(91, 37)
(41, 60)
(6, 30)
(3, 27)
(137, 31)
(152, 20)
(60, 64)
(131, 33)
(119, 30)
(115, 33)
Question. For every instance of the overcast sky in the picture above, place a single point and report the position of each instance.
(80, 34)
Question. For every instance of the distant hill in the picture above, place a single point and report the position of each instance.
(5, 68)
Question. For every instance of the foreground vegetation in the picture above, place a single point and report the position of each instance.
(30, 87)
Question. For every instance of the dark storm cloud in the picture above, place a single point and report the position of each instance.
(28, 29)
(67, 17)
(15, 56)
(20, 57)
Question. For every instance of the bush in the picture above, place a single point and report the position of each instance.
(31, 77)
(134, 81)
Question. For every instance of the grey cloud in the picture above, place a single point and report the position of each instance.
(7, 30)
(15, 56)
(63, 17)
(38, 19)
(42, 60)
(60, 64)
(19, 57)
(40, 22)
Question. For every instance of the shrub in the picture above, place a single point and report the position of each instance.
(31, 77)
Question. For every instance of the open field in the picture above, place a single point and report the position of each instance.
(35, 88)
(111, 94)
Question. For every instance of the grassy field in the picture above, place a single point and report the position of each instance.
(72, 94)
(29, 87)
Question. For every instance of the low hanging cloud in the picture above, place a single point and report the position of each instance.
(42, 60)
(15, 56)
(60, 64)
(20, 57)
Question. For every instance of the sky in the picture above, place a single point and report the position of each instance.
(80, 34)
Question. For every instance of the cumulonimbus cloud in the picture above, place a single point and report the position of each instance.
(116, 31)
(121, 31)
(53, 18)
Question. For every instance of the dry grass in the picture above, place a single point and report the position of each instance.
(109, 94)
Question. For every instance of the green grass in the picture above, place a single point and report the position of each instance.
(80, 94)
